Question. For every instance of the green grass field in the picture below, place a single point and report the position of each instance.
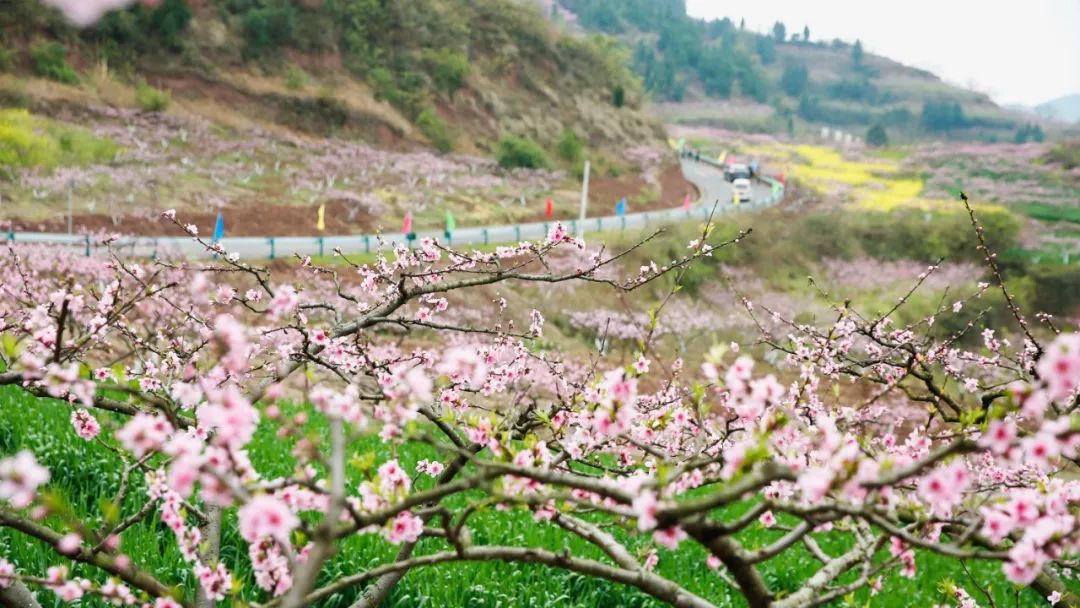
(85, 474)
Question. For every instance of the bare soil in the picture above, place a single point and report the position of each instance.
(245, 218)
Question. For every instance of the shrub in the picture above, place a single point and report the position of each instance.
(266, 30)
(50, 61)
(618, 96)
(434, 128)
(794, 79)
(514, 151)
(877, 136)
(27, 141)
(151, 99)
(295, 78)
(448, 69)
(570, 146)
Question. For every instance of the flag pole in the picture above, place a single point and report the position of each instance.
(584, 201)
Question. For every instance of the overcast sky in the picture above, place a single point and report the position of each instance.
(1018, 52)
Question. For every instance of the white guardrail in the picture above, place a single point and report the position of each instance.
(258, 247)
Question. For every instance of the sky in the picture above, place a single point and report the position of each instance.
(1017, 52)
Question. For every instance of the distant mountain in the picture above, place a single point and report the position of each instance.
(717, 72)
(1065, 109)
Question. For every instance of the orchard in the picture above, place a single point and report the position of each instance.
(173, 366)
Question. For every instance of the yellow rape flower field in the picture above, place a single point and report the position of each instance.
(878, 185)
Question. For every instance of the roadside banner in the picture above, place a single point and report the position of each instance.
(320, 222)
(451, 224)
(549, 210)
(406, 226)
(219, 227)
(686, 202)
(620, 207)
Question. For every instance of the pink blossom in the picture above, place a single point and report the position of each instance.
(644, 508)
(999, 436)
(20, 477)
(767, 519)
(144, 433)
(69, 543)
(266, 517)
(6, 571)
(393, 480)
(85, 12)
(1059, 366)
(86, 426)
(406, 527)
(669, 537)
(651, 560)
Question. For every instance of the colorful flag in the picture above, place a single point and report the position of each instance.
(320, 224)
(219, 227)
(406, 227)
(451, 225)
(550, 209)
(620, 207)
(722, 158)
(686, 202)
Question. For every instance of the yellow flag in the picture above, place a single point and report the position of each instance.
(723, 156)
(320, 225)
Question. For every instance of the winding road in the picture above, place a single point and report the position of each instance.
(708, 178)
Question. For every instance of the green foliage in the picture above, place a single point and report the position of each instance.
(448, 68)
(28, 141)
(618, 96)
(876, 136)
(514, 151)
(766, 49)
(267, 30)
(854, 89)
(1066, 153)
(150, 99)
(939, 116)
(1029, 132)
(570, 146)
(295, 78)
(794, 79)
(7, 58)
(857, 53)
(404, 90)
(435, 129)
(1049, 213)
(50, 61)
(779, 32)
(123, 35)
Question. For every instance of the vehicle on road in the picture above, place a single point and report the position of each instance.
(736, 171)
(741, 190)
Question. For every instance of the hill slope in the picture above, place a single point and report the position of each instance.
(782, 81)
(1066, 109)
(455, 73)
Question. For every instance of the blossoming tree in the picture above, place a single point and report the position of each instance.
(193, 359)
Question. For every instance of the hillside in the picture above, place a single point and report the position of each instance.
(480, 70)
(1065, 109)
(716, 73)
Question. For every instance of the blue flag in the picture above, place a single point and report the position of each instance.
(219, 228)
(620, 207)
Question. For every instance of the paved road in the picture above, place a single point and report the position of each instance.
(709, 180)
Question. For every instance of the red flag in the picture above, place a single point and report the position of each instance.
(686, 202)
(407, 226)
(549, 210)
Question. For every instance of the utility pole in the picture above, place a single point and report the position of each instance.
(71, 208)
(584, 201)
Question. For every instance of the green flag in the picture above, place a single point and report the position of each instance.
(451, 225)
